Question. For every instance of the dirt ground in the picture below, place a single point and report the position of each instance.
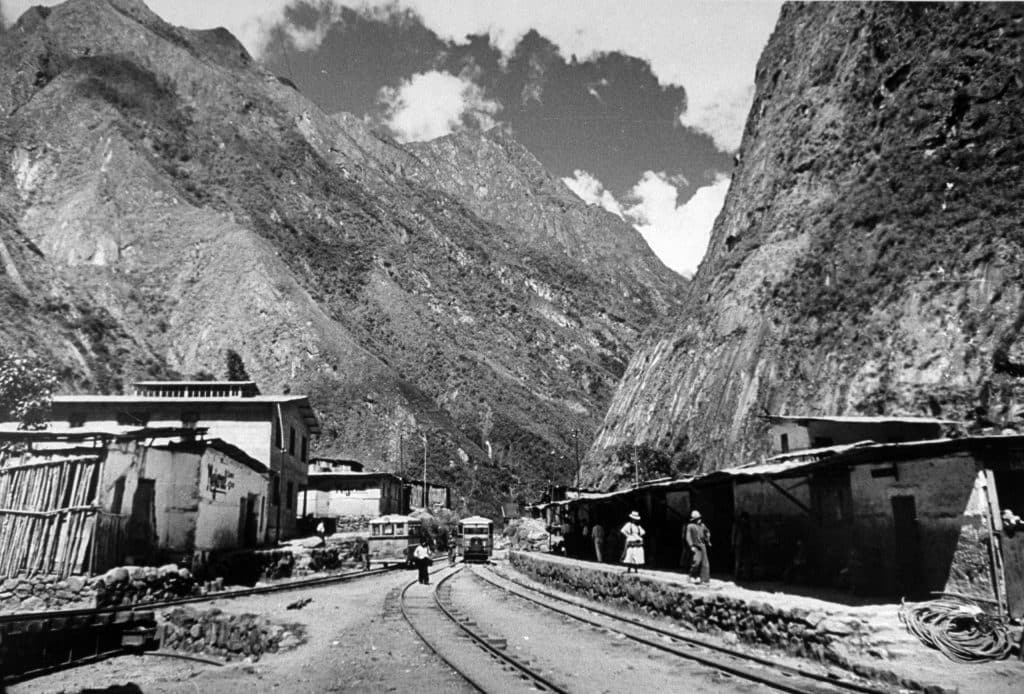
(355, 643)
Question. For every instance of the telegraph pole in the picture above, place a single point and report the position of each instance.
(576, 444)
(424, 437)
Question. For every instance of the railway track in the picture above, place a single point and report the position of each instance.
(747, 666)
(38, 643)
(487, 665)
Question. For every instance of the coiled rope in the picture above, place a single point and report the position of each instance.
(959, 628)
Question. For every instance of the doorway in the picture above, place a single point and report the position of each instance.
(907, 542)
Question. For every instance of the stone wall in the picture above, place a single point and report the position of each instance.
(124, 585)
(138, 585)
(39, 593)
(227, 636)
(797, 631)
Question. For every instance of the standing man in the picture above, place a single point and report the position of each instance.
(421, 556)
(597, 534)
(698, 539)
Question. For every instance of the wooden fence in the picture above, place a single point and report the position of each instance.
(48, 517)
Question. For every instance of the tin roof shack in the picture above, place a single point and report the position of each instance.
(797, 432)
(894, 520)
(351, 495)
(184, 496)
(273, 429)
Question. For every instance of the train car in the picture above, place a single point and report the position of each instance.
(393, 539)
(477, 535)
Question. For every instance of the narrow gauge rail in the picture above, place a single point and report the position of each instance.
(227, 594)
(450, 617)
(745, 665)
(112, 626)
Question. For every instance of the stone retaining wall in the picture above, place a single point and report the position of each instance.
(39, 593)
(797, 631)
(138, 585)
(228, 636)
(124, 585)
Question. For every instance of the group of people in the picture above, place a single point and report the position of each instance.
(696, 540)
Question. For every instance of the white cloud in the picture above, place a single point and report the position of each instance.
(678, 234)
(710, 47)
(592, 191)
(433, 104)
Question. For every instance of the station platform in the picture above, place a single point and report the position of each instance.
(867, 639)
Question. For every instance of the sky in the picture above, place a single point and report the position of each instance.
(638, 105)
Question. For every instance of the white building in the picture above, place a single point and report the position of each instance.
(273, 429)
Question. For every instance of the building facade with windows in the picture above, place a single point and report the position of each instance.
(273, 429)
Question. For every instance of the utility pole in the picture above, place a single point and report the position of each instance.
(424, 437)
(576, 444)
(401, 456)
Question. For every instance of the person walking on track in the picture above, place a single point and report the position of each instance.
(698, 539)
(422, 558)
(634, 536)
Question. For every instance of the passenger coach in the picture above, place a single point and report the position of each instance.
(393, 539)
(477, 535)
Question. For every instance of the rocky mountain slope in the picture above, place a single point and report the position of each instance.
(870, 254)
(164, 199)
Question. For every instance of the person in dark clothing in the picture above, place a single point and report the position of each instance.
(422, 558)
(698, 539)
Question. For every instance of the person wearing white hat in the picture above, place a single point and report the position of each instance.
(698, 539)
(634, 535)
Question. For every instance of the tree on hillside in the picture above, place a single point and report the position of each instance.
(26, 389)
(236, 367)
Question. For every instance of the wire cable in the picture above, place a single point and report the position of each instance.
(959, 628)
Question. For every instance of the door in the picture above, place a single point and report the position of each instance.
(141, 537)
(907, 542)
(1009, 488)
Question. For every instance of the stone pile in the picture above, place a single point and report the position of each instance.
(229, 636)
(39, 593)
(797, 631)
(135, 585)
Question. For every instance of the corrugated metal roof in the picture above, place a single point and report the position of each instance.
(858, 419)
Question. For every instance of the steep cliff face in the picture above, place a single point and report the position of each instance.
(164, 199)
(870, 254)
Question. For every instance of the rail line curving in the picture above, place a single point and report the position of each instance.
(748, 666)
(431, 626)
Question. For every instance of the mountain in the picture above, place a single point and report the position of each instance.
(165, 199)
(868, 258)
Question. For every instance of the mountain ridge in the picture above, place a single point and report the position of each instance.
(868, 256)
(167, 199)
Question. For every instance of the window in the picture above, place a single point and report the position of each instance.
(276, 491)
(784, 443)
(290, 500)
(118, 500)
(76, 420)
(389, 529)
(821, 442)
(305, 449)
(291, 440)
